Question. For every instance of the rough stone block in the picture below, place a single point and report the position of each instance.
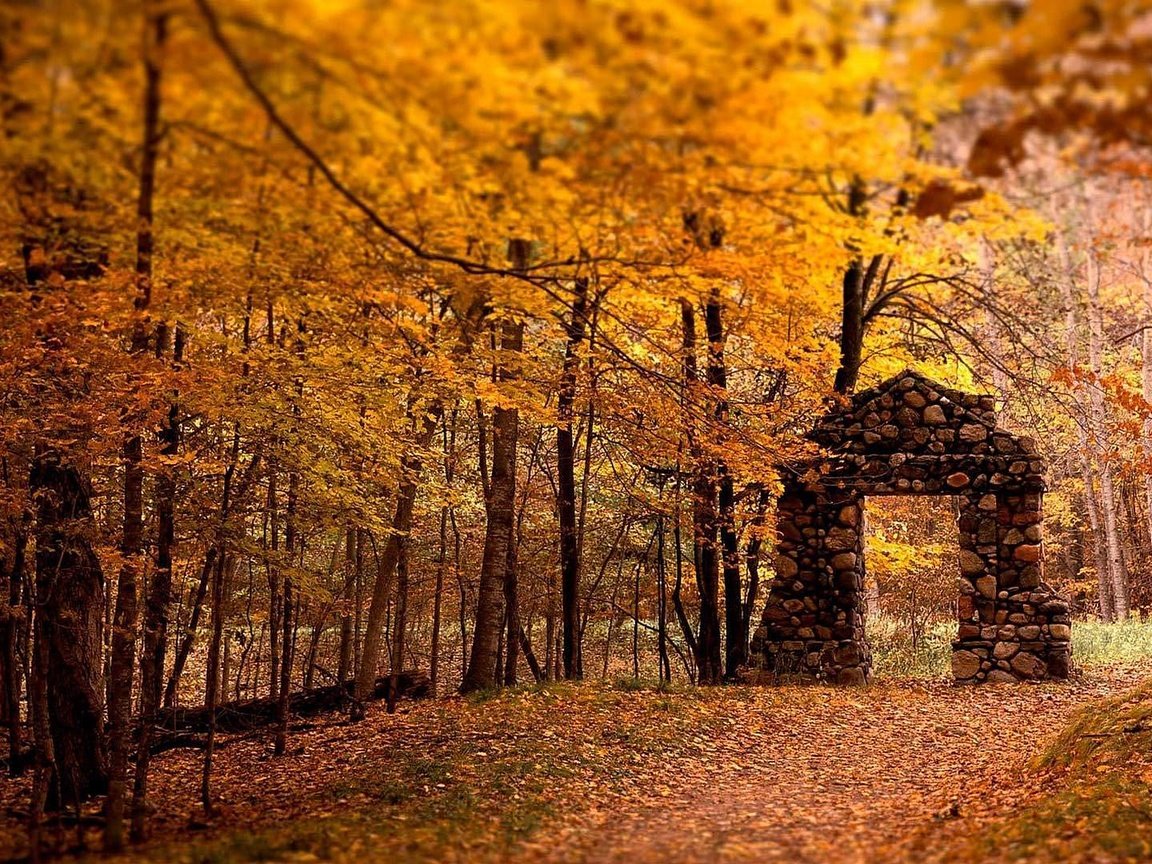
(965, 664)
(1028, 665)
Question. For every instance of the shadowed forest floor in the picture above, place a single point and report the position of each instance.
(900, 771)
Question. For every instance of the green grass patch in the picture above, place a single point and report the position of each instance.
(896, 655)
(1095, 643)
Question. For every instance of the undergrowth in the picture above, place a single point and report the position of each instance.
(1094, 643)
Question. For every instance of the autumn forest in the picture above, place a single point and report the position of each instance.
(596, 430)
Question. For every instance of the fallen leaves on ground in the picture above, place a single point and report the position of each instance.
(597, 773)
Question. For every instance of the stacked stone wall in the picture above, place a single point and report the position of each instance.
(911, 436)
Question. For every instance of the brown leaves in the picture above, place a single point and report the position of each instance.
(940, 198)
(594, 773)
(997, 148)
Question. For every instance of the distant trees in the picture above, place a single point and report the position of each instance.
(342, 345)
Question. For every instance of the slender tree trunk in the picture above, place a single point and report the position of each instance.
(1117, 571)
(212, 674)
(437, 600)
(665, 666)
(400, 609)
(752, 559)
(44, 775)
(566, 480)
(344, 669)
(511, 619)
(481, 670)
(704, 517)
(123, 653)
(159, 601)
(677, 602)
(13, 566)
(357, 642)
(636, 620)
(291, 607)
(275, 599)
(480, 674)
(184, 649)
(1146, 381)
(735, 647)
(852, 305)
(386, 570)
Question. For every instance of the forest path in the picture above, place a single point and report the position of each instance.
(612, 773)
(884, 773)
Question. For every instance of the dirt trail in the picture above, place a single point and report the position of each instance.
(882, 774)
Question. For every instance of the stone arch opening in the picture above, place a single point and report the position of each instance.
(910, 593)
(912, 436)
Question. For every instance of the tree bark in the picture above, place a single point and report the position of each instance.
(735, 643)
(13, 567)
(566, 481)
(704, 517)
(69, 626)
(291, 607)
(481, 673)
(159, 600)
(386, 569)
(351, 565)
(852, 305)
(212, 673)
(123, 652)
(1117, 572)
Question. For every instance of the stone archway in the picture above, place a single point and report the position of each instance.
(911, 436)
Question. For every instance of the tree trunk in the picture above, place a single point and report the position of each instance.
(212, 673)
(386, 569)
(159, 599)
(1146, 380)
(704, 517)
(566, 481)
(69, 626)
(512, 619)
(735, 644)
(351, 563)
(1117, 572)
(664, 664)
(500, 502)
(123, 654)
(13, 566)
(291, 607)
(480, 674)
(275, 601)
(400, 608)
(852, 305)
(438, 599)
(189, 640)
(752, 559)
(45, 769)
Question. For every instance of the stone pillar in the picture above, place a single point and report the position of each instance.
(1012, 626)
(813, 624)
(976, 608)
